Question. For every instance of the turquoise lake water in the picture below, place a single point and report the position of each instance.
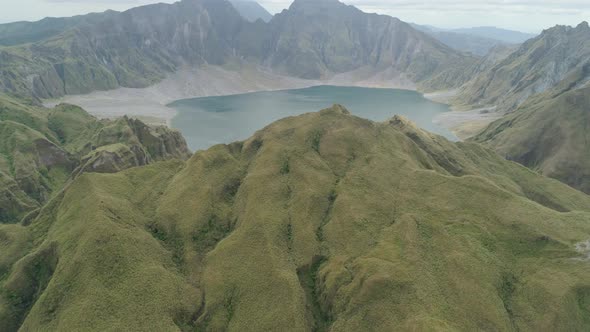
(208, 121)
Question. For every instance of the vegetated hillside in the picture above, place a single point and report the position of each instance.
(141, 46)
(41, 149)
(550, 133)
(321, 221)
(251, 10)
(537, 66)
(504, 35)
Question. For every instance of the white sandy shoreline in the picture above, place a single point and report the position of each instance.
(150, 104)
(206, 81)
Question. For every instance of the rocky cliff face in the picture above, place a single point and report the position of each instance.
(547, 100)
(132, 49)
(312, 39)
(537, 66)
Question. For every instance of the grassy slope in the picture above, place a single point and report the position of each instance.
(40, 148)
(319, 221)
(550, 133)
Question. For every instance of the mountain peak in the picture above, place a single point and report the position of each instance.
(567, 29)
(251, 10)
(314, 3)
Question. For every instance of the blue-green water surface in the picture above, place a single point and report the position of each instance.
(208, 121)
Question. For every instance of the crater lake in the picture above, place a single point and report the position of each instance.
(208, 121)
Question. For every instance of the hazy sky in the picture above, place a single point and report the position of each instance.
(525, 15)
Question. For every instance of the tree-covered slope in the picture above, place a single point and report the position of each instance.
(40, 149)
(323, 221)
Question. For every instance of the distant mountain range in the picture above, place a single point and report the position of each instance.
(311, 40)
(503, 35)
(139, 47)
(478, 41)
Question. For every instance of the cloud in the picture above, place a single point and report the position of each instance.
(454, 5)
(529, 15)
(94, 2)
(555, 6)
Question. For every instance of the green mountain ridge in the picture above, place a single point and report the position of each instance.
(323, 221)
(319, 222)
(42, 149)
(549, 133)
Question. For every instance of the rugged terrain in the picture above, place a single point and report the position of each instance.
(140, 47)
(42, 149)
(538, 65)
(543, 88)
(319, 222)
(549, 133)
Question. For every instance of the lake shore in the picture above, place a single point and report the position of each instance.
(150, 104)
(466, 124)
(205, 122)
(463, 123)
